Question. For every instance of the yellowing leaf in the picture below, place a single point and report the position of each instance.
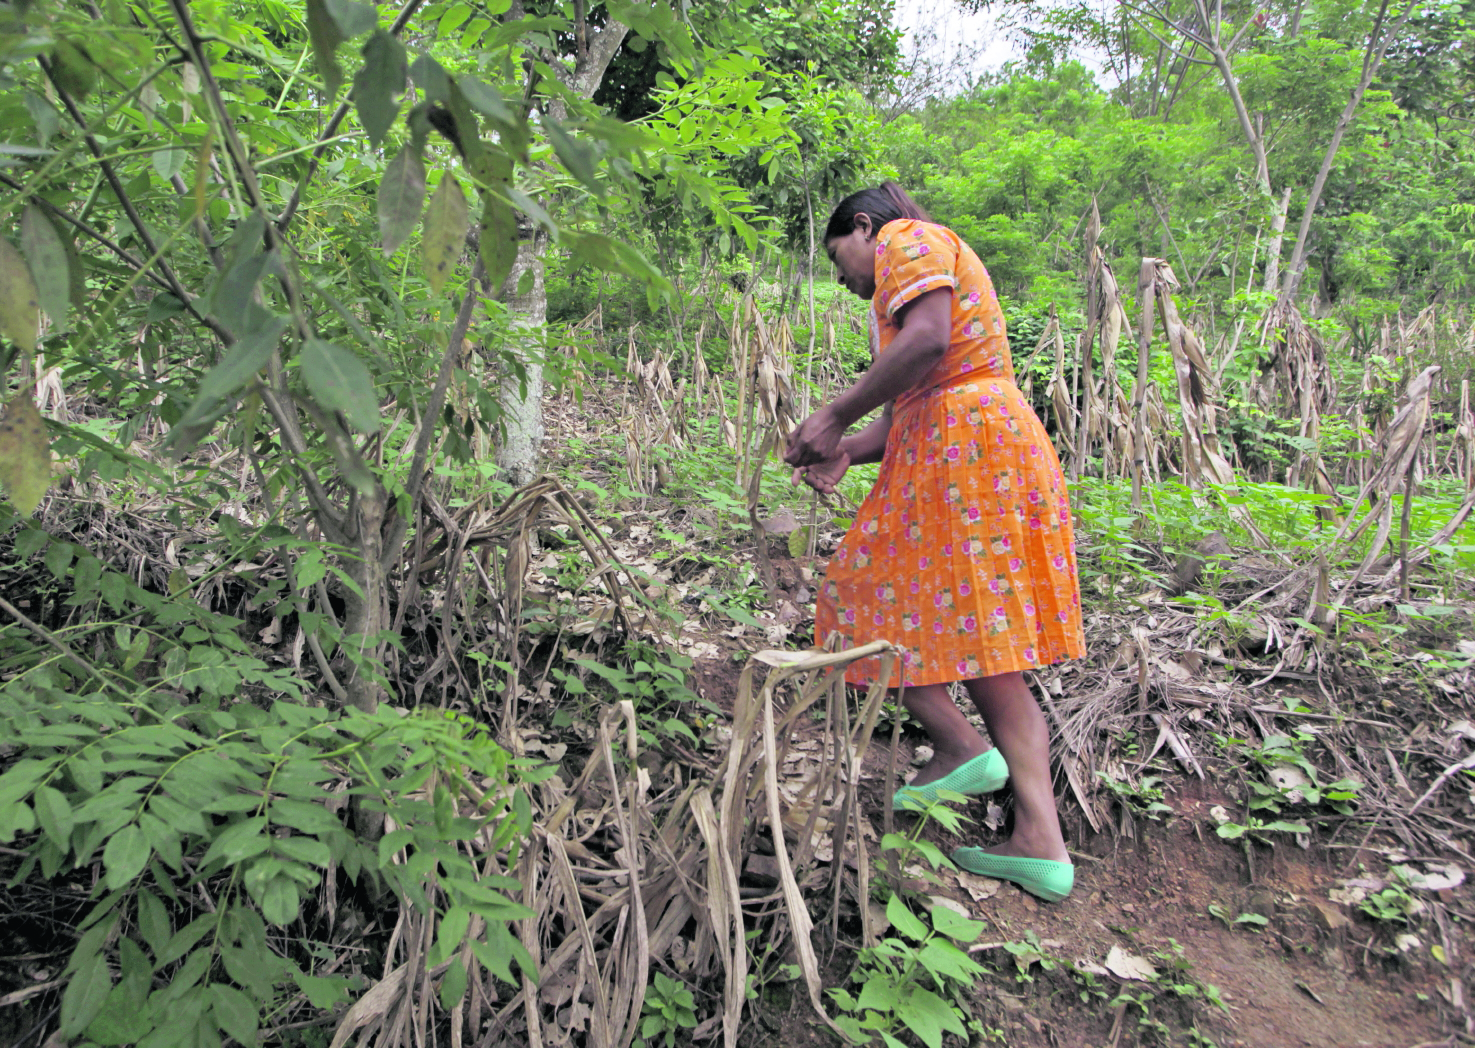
(25, 455)
(445, 230)
(18, 301)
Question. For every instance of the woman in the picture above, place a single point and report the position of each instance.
(962, 554)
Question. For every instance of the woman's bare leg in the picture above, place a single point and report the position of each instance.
(954, 739)
(1017, 726)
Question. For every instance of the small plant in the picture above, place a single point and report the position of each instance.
(1393, 904)
(1293, 778)
(1144, 796)
(1254, 920)
(895, 975)
(1259, 829)
(669, 1009)
(906, 849)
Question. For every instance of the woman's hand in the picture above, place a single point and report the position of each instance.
(823, 477)
(816, 440)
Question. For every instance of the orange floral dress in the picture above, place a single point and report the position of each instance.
(962, 555)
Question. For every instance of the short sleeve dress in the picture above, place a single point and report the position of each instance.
(962, 555)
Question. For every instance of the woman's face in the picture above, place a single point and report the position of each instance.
(854, 256)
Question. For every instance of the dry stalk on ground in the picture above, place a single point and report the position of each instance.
(636, 866)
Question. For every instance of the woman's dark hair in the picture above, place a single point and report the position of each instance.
(886, 203)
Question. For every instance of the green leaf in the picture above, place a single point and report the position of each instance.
(55, 816)
(944, 960)
(329, 23)
(879, 993)
(498, 238)
(303, 849)
(43, 115)
(279, 901)
(235, 1013)
(237, 367)
(904, 921)
(1281, 826)
(453, 985)
(19, 311)
(85, 994)
(430, 77)
(393, 842)
(954, 925)
(48, 261)
(163, 306)
(25, 453)
(401, 196)
(452, 931)
(153, 922)
(577, 156)
(339, 381)
(73, 68)
(928, 1015)
(446, 221)
(121, 1020)
(182, 817)
(485, 100)
(379, 83)
(126, 854)
(322, 993)
(233, 298)
(15, 817)
(239, 841)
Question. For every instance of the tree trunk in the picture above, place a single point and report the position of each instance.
(368, 611)
(522, 395)
(1272, 246)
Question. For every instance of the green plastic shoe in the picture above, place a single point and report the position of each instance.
(983, 774)
(1044, 878)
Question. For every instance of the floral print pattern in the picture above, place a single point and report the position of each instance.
(962, 555)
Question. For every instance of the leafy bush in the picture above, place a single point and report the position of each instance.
(206, 822)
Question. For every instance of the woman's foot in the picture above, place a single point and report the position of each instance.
(1043, 878)
(1027, 849)
(943, 764)
(982, 774)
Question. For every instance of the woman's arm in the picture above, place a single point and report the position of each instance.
(870, 443)
(926, 328)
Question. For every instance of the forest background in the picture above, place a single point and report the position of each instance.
(312, 647)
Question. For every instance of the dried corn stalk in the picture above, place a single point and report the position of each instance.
(1059, 392)
(1203, 459)
(625, 875)
(1104, 418)
(1397, 461)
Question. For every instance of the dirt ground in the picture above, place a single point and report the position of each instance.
(1258, 921)
(1317, 973)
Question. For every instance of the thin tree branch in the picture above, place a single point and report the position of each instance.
(426, 432)
(1184, 56)
(1377, 48)
(124, 201)
(122, 252)
(290, 211)
(329, 518)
